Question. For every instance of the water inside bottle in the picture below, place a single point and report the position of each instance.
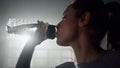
(20, 26)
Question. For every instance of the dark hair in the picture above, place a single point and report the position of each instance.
(98, 16)
(113, 9)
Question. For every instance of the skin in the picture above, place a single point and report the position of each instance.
(67, 28)
(76, 32)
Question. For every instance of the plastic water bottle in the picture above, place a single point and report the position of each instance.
(29, 28)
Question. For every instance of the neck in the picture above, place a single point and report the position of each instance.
(85, 51)
(86, 55)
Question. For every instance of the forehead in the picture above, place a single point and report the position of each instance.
(70, 10)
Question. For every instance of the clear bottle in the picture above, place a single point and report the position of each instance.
(30, 29)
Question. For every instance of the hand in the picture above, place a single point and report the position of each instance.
(40, 34)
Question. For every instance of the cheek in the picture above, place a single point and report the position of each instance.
(71, 32)
(68, 32)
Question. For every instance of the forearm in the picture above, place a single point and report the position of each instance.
(25, 57)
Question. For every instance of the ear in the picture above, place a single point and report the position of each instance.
(84, 19)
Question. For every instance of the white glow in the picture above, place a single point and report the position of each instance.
(25, 37)
(19, 38)
(46, 52)
(26, 33)
(33, 29)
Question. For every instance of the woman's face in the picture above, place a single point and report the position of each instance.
(67, 29)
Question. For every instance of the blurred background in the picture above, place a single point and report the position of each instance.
(48, 54)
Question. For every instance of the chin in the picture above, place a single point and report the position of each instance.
(62, 43)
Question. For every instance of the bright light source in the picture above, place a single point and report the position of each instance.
(19, 38)
(33, 29)
(21, 33)
(24, 38)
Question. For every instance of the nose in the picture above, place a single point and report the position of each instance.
(58, 25)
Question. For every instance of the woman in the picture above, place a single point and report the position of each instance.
(83, 26)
